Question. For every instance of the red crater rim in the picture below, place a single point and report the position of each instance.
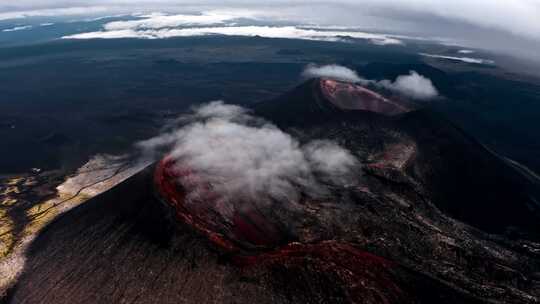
(256, 242)
(232, 226)
(348, 96)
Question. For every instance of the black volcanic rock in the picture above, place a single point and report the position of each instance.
(461, 176)
(120, 247)
(471, 182)
(435, 217)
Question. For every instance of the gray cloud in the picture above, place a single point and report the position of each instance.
(19, 12)
(245, 158)
(518, 16)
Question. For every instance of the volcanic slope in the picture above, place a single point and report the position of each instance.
(433, 217)
(459, 174)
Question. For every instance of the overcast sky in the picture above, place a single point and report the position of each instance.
(506, 25)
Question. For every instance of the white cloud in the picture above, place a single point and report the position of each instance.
(159, 21)
(332, 71)
(463, 59)
(466, 51)
(245, 158)
(17, 28)
(413, 85)
(102, 17)
(333, 163)
(158, 26)
(109, 35)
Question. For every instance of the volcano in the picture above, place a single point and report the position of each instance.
(432, 216)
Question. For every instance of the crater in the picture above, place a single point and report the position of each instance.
(348, 96)
(231, 225)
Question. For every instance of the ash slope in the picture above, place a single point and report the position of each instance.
(120, 247)
(436, 218)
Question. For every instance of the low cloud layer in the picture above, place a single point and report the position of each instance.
(156, 26)
(30, 11)
(247, 158)
(462, 59)
(159, 21)
(286, 32)
(17, 28)
(507, 26)
(412, 85)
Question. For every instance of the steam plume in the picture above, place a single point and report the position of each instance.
(247, 158)
(332, 71)
(413, 85)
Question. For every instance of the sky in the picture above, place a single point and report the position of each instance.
(509, 26)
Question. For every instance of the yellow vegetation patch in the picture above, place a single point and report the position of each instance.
(43, 213)
(17, 194)
(8, 202)
(6, 237)
(14, 181)
(11, 190)
(39, 216)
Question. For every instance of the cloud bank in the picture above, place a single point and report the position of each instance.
(462, 59)
(156, 26)
(159, 21)
(245, 158)
(286, 32)
(17, 28)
